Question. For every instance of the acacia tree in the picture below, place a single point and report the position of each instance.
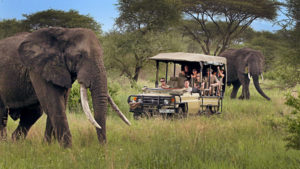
(59, 18)
(141, 33)
(229, 17)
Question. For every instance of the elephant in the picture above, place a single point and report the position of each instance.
(242, 65)
(37, 71)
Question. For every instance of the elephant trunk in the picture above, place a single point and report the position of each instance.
(257, 86)
(99, 98)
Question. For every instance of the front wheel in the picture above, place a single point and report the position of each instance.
(181, 113)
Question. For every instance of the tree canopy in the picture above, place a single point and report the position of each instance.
(229, 17)
(147, 15)
(53, 18)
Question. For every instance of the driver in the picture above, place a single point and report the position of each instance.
(163, 84)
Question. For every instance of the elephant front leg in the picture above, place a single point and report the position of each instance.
(245, 83)
(29, 115)
(52, 99)
(49, 132)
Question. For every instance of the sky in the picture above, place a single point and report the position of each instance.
(103, 11)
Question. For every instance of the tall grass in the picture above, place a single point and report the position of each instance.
(248, 134)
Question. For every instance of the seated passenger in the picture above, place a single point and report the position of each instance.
(194, 77)
(185, 72)
(187, 86)
(163, 84)
(197, 82)
(220, 77)
(210, 79)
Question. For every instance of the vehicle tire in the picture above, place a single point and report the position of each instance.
(137, 115)
(181, 113)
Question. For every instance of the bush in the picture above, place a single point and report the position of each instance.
(74, 101)
(293, 122)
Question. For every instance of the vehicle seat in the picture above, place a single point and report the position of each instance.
(176, 82)
(173, 82)
(181, 82)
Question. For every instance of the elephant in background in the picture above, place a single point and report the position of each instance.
(36, 72)
(243, 64)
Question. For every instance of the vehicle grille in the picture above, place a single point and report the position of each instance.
(154, 100)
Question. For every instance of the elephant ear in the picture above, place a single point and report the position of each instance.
(42, 52)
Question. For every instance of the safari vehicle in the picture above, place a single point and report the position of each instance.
(176, 100)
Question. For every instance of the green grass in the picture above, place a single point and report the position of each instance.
(248, 134)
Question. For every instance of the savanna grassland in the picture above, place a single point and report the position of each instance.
(248, 134)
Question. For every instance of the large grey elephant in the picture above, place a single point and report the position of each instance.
(36, 72)
(242, 65)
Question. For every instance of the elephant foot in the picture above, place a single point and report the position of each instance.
(241, 97)
(19, 133)
(66, 143)
(3, 134)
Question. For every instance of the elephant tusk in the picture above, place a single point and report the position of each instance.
(249, 76)
(116, 109)
(262, 77)
(86, 107)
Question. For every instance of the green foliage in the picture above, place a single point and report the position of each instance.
(146, 15)
(74, 101)
(9, 27)
(293, 122)
(229, 18)
(59, 18)
(129, 52)
(49, 18)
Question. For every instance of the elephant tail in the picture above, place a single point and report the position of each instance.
(117, 110)
(257, 86)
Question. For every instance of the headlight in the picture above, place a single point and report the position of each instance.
(140, 100)
(166, 102)
(134, 99)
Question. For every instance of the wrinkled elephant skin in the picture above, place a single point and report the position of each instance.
(242, 65)
(37, 70)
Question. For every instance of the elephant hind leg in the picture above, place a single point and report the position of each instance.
(236, 86)
(3, 121)
(28, 116)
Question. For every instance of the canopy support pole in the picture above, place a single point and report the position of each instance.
(157, 69)
(167, 65)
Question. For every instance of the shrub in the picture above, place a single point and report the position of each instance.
(293, 122)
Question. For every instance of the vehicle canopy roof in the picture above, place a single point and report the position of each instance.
(179, 57)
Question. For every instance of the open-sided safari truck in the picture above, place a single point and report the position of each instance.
(177, 99)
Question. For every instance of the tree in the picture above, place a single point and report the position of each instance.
(59, 18)
(147, 15)
(140, 33)
(129, 52)
(9, 27)
(229, 17)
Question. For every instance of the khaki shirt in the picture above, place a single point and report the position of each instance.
(213, 79)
